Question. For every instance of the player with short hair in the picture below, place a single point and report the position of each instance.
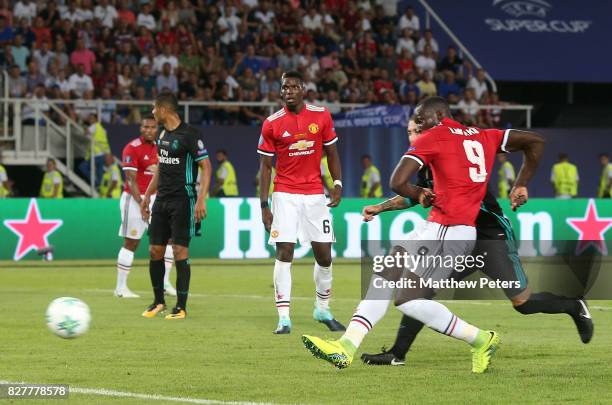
(139, 160)
(178, 206)
(501, 263)
(297, 134)
(461, 159)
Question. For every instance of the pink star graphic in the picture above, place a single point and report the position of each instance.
(32, 231)
(591, 229)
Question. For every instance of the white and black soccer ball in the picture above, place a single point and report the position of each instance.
(68, 317)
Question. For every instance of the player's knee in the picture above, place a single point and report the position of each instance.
(180, 252)
(324, 261)
(284, 252)
(131, 244)
(156, 252)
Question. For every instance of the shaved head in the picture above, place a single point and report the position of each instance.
(430, 112)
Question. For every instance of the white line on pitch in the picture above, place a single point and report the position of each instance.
(150, 397)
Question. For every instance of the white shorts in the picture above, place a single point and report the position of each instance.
(431, 238)
(132, 224)
(300, 216)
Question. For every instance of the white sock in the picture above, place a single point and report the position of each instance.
(439, 318)
(282, 287)
(168, 261)
(323, 284)
(368, 313)
(124, 265)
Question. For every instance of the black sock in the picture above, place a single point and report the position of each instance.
(183, 275)
(156, 271)
(548, 303)
(408, 331)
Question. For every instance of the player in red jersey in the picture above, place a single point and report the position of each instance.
(461, 159)
(297, 135)
(139, 158)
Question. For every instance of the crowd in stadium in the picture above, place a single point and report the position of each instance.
(374, 52)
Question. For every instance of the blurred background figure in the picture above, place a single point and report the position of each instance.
(370, 180)
(110, 186)
(5, 185)
(53, 183)
(225, 177)
(564, 178)
(505, 176)
(605, 181)
(97, 135)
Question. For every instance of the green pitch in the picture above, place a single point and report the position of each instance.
(225, 351)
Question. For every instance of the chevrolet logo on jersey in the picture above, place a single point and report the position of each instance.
(303, 148)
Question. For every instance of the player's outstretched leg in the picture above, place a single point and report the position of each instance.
(124, 266)
(396, 356)
(183, 277)
(323, 286)
(282, 296)
(156, 271)
(436, 316)
(168, 262)
(548, 303)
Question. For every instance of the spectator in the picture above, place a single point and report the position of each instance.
(405, 42)
(106, 14)
(448, 85)
(478, 83)
(505, 176)
(124, 80)
(85, 11)
(145, 18)
(605, 181)
(409, 84)
(428, 39)
(426, 62)
(70, 13)
(43, 57)
(147, 81)
(41, 32)
(60, 53)
(289, 60)
(564, 178)
(226, 184)
(83, 56)
(427, 87)
(52, 185)
(228, 26)
(51, 14)
(333, 102)
(39, 98)
(97, 135)
(170, 13)
(312, 20)
(166, 81)
(33, 77)
(20, 53)
(409, 21)
(17, 84)
(165, 57)
(370, 180)
(265, 15)
(382, 84)
(405, 63)
(7, 34)
(110, 186)
(84, 107)
(469, 106)
(231, 82)
(451, 62)
(126, 57)
(79, 82)
(6, 12)
(124, 14)
(25, 9)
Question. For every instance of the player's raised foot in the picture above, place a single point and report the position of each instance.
(384, 358)
(154, 309)
(169, 290)
(481, 356)
(332, 351)
(177, 313)
(125, 293)
(283, 327)
(325, 317)
(584, 322)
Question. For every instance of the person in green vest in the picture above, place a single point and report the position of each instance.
(370, 180)
(257, 189)
(110, 187)
(5, 185)
(225, 177)
(564, 178)
(97, 134)
(505, 176)
(326, 177)
(605, 182)
(53, 184)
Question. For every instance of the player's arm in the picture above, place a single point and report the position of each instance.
(265, 176)
(130, 178)
(396, 203)
(532, 145)
(152, 189)
(200, 207)
(400, 182)
(333, 161)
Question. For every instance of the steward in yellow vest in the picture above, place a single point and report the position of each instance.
(4, 184)
(326, 177)
(370, 180)
(505, 176)
(53, 184)
(257, 187)
(110, 187)
(564, 178)
(225, 177)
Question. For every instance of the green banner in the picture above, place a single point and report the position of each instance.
(88, 229)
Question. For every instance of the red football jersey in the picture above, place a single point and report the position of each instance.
(297, 140)
(139, 156)
(460, 159)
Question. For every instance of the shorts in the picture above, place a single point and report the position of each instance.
(172, 219)
(300, 216)
(433, 240)
(132, 224)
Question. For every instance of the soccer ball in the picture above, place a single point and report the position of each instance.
(68, 317)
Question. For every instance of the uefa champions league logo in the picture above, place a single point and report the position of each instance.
(518, 8)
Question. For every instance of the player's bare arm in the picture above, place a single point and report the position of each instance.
(130, 178)
(265, 176)
(532, 145)
(152, 189)
(401, 185)
(333, 160)
(392, 204)
(200, 206)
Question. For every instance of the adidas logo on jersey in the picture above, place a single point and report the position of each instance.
(146, 157)
(286, 134)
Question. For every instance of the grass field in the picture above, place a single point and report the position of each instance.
(225, 350)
